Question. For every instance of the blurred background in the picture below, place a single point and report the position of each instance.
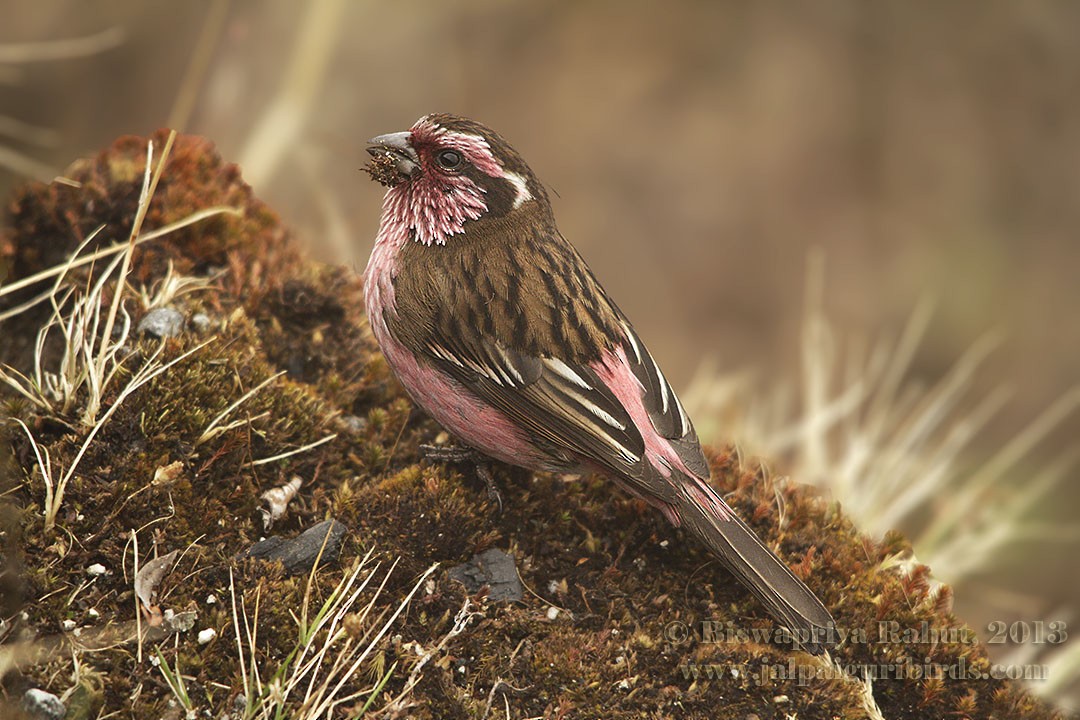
(847, 230)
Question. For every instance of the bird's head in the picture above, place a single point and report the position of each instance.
(445, 171)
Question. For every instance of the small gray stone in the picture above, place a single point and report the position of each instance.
(298, 554)
(353, 424)
(200, 323)
(161, 323)
(493, 568)
(44, 705)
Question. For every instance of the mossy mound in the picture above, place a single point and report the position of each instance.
(623, 616)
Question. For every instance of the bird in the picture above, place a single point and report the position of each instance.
(496, 327)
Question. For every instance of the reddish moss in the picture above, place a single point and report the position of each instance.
(57, 216)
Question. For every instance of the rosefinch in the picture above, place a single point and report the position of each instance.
(496, 326)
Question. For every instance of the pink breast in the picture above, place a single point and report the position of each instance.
(450, 403)
(460, 411)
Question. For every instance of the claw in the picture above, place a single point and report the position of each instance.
(463, 455)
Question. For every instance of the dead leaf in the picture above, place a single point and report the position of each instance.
(150, 576)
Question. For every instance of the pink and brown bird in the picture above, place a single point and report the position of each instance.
(495, 326)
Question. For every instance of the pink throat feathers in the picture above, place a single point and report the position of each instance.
(433, 206)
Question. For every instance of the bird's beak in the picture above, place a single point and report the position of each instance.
(398, 147)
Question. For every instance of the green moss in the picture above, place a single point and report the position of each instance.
(617, 573)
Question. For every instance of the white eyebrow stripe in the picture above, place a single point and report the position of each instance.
(523, 194)
(564, 371)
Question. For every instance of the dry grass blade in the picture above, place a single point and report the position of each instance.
(326, 695)
(461, 621)
(171, 287)
(78, 260)
(290, 453)
(149, 185)
(329, 653)
(54, 491)
(213, 429)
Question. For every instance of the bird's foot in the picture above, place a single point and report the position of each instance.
(463, 455)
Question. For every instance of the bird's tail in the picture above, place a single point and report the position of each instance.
(786, 597)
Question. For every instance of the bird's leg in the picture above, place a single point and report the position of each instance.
(455, 455)
(483, 471)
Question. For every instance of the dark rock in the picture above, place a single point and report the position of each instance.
(298, 554)
(493, 568)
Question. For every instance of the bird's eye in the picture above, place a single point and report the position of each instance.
(449, 159)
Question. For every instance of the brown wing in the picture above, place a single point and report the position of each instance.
(522, 322)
